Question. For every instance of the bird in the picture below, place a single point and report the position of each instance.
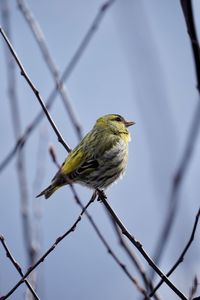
(99, 159)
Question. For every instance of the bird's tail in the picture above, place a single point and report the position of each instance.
(48, 191)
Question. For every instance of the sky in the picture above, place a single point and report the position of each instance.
(138, 64)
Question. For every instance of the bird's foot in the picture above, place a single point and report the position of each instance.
(101, 195)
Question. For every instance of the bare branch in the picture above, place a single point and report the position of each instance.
(35, 91)
(68, 70)
(147, 282)
(191, 139)
(176, 185)
(107, 246)
(17, 266)
(37, 207)
(189, 20)
(181, 258)
(16, 122)
(193, 288)
(40, 39)
(58, 240)
(139, 246)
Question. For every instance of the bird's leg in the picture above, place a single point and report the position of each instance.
(101, 195)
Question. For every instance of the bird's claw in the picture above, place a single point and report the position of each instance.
(101, 195)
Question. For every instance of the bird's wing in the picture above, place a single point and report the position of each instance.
(80, 160)
(73, 161)
(76, 164)
(84, 158)
(86, 167)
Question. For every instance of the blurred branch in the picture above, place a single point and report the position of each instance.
(39, 176)
(190, 142)
(181, 258)
(37, 207)
(70, 67)
(138, 245)
(176, 185)
(58, 240)
(193, 288)
(17, 266)
(98, 232)
(40, 39)
(148, 284)
(16, 122)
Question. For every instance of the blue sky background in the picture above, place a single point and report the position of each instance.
(138, 64)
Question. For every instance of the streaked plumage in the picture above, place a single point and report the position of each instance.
(99, 159)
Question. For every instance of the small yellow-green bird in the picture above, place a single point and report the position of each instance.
(99, 159)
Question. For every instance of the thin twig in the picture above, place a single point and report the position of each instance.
(190, 24)
(58, 240)
(98, 232)
(148, 284)
(40, 39)
(193, 289)
(191, 139)
(35, 91)
(176, 185)
(17, 266)
(68, 70)
(181, 257)
(37, 205)
(105, 243)
(16, 122)
(140, 248)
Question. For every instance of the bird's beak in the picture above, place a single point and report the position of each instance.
(129, 123)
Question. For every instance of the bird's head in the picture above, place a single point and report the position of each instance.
(116, 123)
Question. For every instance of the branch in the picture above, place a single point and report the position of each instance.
(139, 247)
(189, 20)
(58, 240)
(191, 139)
(40, 169)
(40, 39)
(193, 288)
(17, 266)
(35, 91)
(109, 250)
(181, 258)
(68, 70)
(147, 282)
(16, 122)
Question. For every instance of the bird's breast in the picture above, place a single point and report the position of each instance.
(117, 154)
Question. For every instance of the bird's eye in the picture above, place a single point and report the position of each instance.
(118, 119)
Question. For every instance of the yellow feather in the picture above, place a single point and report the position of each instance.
(72, 162)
